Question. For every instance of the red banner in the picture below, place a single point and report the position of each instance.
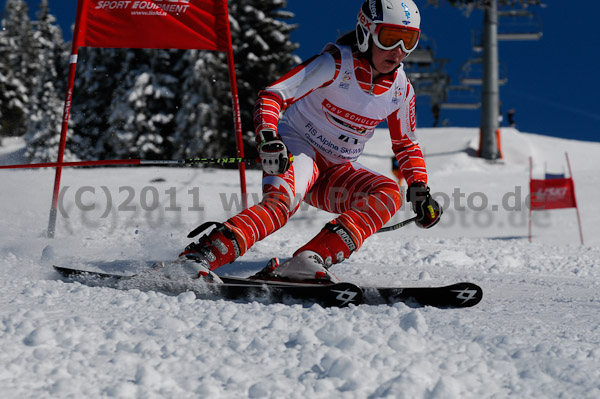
(552, 194)
(176, 24)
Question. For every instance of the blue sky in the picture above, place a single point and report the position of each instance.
(552, 83)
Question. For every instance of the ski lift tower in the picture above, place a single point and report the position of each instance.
(490, 81)
(490, 93)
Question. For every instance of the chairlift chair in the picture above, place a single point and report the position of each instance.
(461, 98)
(423, 55)
(513, 25)
(472, 73)
(420, 55)
(519, 25)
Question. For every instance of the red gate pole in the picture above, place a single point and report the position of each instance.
(530, 194)
(63, 141)
(237, 119)
(81, 15)
(574, 198)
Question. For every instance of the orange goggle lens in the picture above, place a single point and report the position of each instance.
(390, 37)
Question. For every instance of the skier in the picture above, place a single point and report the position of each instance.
(332, 104)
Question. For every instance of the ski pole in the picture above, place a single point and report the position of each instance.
(157, 162)
(397, 225)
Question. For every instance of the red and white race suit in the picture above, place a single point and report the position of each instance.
(332, 106)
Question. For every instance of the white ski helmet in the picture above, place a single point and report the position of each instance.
(390, 23)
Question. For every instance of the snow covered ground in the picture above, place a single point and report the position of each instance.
(536, 334)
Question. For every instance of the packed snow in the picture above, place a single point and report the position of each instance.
(536, 333)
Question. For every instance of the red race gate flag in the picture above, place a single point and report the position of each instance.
(180, 24)
(552, 194)
(168, 24)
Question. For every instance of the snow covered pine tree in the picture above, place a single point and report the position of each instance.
(15, 66)
(45, 103)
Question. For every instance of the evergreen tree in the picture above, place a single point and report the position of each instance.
(99, 72)
(15, 67)
(45, 104)
(173, 103)
(262, 51)
(205, 118)
(125, 101)
(142, 114)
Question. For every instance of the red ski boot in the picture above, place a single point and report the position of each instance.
(212, 250)
(333, 243)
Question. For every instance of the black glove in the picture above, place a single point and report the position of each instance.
(273, 153)
(427, 209)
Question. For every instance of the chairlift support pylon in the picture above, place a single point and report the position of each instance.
(490, 65)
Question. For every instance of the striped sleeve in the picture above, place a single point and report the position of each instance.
(318, 71)
(402, 125)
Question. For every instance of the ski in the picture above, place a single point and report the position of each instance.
(340, 294)
(459, 295)
(69, 272)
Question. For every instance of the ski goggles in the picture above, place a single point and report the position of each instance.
(388, 37)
